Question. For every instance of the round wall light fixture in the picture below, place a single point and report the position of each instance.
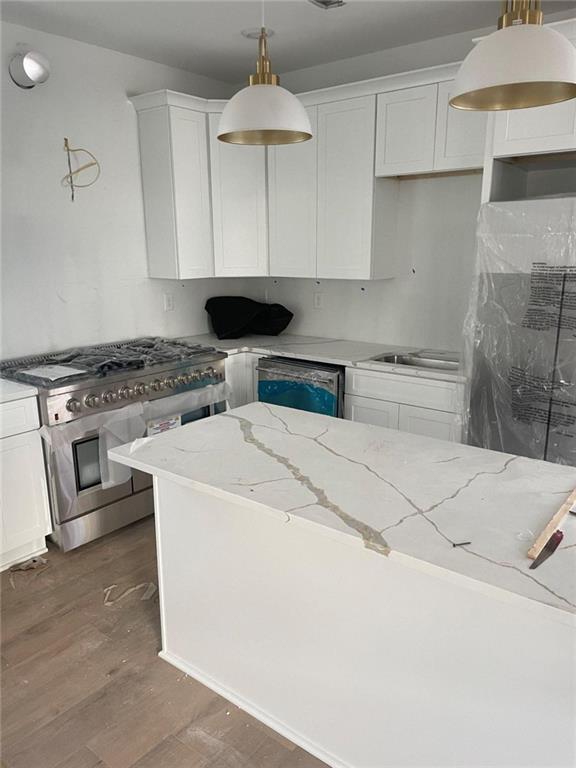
(29, 69)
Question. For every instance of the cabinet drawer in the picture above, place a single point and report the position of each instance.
(368, 411)
(19, 416)
(428, 393)
(425, 421)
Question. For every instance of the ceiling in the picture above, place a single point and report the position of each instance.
(203, 36)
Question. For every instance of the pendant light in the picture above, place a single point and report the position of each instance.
(264, 112)
(523, 64)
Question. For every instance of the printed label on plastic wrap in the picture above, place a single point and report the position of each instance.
(157, 426)
(552, 298)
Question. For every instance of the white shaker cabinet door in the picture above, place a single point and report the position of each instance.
(176, 191)
(379, 412)
(460, 134)
(535, 131)
(540, 129)
(292, 205)
(425, 421)
(239, 207)
(346, 188)
(24, 506)
(406, 129)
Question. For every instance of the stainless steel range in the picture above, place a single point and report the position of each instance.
(93, 398)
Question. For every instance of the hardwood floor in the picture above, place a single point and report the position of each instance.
(83, 687)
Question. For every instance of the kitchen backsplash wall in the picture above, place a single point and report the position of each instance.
(75, 273)
(436, 225)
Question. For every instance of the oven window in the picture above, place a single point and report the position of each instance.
(199, 413)
(87, 463)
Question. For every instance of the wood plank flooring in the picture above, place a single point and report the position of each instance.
(83, 687)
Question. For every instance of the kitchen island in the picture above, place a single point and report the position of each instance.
(366, 592)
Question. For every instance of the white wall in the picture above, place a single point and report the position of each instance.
(437, 222)
(75, 273)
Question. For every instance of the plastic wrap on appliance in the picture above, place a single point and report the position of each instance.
(113, 428)
(187, 401)
(520, 331)
(303, 385)
(122, 426)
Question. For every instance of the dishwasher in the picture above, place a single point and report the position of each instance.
(307, 386)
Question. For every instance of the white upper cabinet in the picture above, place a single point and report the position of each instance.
(176, 191)
(540, 129)
(419, 132)
(239, 207)
(346, 188)
(406, 131)
(292, 205)
(460, 134)
(536, 130)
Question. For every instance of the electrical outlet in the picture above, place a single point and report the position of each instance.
(318, 300)
(168, 302)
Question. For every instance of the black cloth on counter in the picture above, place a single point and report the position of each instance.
(236, 316)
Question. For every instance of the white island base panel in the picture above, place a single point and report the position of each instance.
(365, 661)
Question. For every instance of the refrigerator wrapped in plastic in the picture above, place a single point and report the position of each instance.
(520, 331)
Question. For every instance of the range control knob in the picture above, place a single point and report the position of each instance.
(183, 379)
(195, 376)
(73, 405)
(91, 401)
(158, 385)
(109, 397)
(170, 382)
(126, 393)
(141, 388)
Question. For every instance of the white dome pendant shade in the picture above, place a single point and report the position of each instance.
(523, 64)
(263, 112)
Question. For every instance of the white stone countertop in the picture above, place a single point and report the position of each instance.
(14, 390)
(399, 495)
(323, 350)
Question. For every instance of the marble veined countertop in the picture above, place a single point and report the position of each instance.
(324, 350)
(397, 494)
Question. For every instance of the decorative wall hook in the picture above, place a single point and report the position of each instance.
(69, 180)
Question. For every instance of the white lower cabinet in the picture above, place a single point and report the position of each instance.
(429, 407)
(367, 411)
(24, 508)
(425, 421)
(406, 418)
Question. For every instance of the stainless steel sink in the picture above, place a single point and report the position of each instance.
(425, 358)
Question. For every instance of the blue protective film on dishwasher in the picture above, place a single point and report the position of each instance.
(298, 394)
